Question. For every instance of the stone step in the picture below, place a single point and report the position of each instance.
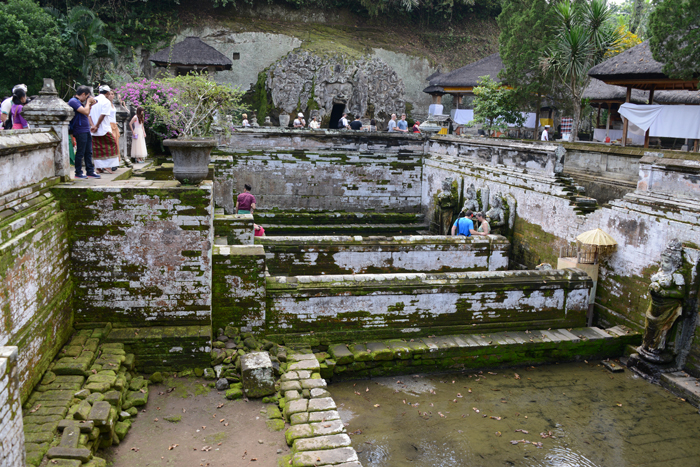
(327, 457)
(321, 443)
(346, 229)
(312, 430)
(336, 218)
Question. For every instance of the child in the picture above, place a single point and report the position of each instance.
(19, 98)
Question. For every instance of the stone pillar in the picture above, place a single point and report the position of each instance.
(49, 111)
(12, 452)
(125, 138)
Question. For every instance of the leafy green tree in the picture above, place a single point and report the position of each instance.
(586, 32)
(31, 46)
(674, 27)
(495, 106)
(526, 32)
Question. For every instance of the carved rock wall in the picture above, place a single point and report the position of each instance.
(370, 87)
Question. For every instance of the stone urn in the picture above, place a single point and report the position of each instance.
(190, 158)
(284, 120)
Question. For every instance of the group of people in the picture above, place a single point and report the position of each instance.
(93, 129)
(401, 126)
(245, 204)
(464, 225)
(356, 124)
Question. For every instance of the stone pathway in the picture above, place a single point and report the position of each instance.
(683, 385)
(317, 434)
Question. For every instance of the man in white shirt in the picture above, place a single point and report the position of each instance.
(105, 151)
(6, 106)
(545, 134)
(343, 123)
(392, 123)
(299, 122)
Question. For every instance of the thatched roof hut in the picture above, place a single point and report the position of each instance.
(191, 54)
(468, 76)
(637, 68)
(677, 97)
(600, 93)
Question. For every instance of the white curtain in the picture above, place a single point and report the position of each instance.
(670, 121)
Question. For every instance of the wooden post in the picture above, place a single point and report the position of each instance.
(625, 124)
(695, 146)
(438, 99)
(535, 132)
(458, 100)
(597, 120)
(651, 101)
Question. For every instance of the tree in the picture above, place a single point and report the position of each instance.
(31, 46)
(495, 106)
(674, 27)
(586, 33)
(526, 31)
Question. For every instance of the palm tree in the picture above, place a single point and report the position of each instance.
(586, 31)
(84, 32)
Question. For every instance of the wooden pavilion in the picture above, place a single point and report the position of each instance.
(636, 68)
(191, 54)
(609, 97)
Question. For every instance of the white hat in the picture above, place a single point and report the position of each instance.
(546, 126)
(23, 87)
(104, 88)
(300, 115)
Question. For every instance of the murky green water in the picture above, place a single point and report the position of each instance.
(582, 415)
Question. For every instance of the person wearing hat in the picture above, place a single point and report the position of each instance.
(545, 134)
(6, 107)
(105, 151)
(299, 122)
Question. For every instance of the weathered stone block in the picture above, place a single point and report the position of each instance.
(322, 443)
(257, 374)
(137, 398)
(100, 413)
(330, 457)
(321, 404)
(83, 411)
(80, 454)
(234, 393)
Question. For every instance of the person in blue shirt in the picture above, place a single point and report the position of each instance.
(80, 126)
(463, 225)
(402, 125)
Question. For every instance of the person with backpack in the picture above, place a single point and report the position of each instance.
(19, 98)
(343, 122)
(6, 108)
(80, 129)
(463, 225)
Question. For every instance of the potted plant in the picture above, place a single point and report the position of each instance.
(188, 111)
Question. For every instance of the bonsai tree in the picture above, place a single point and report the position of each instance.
(191, 104)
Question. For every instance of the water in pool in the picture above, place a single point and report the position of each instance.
(573, 415)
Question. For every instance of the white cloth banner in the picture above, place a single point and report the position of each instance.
(529, 121)
(462, 116)
(435, 109)
(670, 121)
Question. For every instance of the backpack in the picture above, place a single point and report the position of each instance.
(71, 125)
(340, 123)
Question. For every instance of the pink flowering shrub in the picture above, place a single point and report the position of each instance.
(144, 92)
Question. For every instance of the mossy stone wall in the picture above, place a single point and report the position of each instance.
(140, 256)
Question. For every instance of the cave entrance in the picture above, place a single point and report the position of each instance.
(336, 114)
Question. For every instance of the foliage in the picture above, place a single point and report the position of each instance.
(526, 31)
(586, 31)
(495, 106)
(183, 106)
(627, 41)
(31, 46)
(634, 15)
(674, 27)
(84, 33)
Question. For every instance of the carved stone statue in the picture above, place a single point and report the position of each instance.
(667, 291)
(447, 204)
(254, 122)
(267, 121)
(497, 217)
(471, 203)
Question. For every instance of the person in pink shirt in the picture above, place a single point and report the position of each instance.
(19, 98)
(245, 203)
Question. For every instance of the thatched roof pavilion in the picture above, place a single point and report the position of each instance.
(191, 54)
(677, 97)
(600, 93)
(462, 81)
(636, 68)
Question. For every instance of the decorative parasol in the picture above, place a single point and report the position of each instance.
(596, 242)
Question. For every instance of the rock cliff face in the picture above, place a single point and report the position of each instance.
(368, 86)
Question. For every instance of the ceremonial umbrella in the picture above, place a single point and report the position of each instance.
(597, 242)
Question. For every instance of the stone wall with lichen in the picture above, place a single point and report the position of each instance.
(140, 256)
(323, 309)
(296, 256)
(35, 284)
(239, 288)
(320, 180)
(11, 426)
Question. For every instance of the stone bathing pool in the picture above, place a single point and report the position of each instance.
(583, 416)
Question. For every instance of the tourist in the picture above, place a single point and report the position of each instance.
(6, 108)
(343, 122)
(245, 123)
(259, 231)
(138, 133)
(391, 127)
(81, 104)
(104, 146)
(313, 124)
(402, 124)
(245, 203)
(463, 225)
(299, 122)
(416, 127)
(484, 228)
(356, 124)
(373, 125)
(19, 98)
(113, 123)
(545, 134)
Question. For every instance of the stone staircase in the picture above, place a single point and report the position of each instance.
(583, 204)
(340, 223)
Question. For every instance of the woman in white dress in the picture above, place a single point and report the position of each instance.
(138, 131)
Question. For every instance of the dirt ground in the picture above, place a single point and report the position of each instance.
(233, 434)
